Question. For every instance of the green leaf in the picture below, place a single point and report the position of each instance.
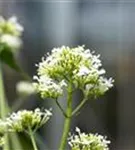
(1, 47)
(7, 57)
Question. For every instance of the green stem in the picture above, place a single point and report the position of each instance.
(2, 95)
(67, 119)
(32, 139)
(79, 106)
(60, 107)
(3, 105)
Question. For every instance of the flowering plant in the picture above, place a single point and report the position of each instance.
(65, 69)
(83, 141)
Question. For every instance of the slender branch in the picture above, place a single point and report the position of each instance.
(32, 139)
(67, 119)
(82, 103)
(60, 107)
(79, 106)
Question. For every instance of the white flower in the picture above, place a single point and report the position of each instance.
(22, 120)
(10, 26)
(105, 84)
(14, 21)
(25, 88)
(11, 41)
(63, 83)
(83, 71)
(48, 88)
(48, 112)
(79, 65)
(77, 130)
(101, 71)
(99, 88)
(10, 32)
(83, 141)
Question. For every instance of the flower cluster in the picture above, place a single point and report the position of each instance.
(10, 32)
(48, 87)
(77, 65)
(83, 141)
(23, 120)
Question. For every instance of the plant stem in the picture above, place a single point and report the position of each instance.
(79, 106)
(67, 121)
(2, 96)
(3, 105)
(32, 139)
(60, 107)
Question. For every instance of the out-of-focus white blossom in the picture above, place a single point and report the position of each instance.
(10, 26)
(10, 32)
(11, 41)
(77, 65)
(83, 141)
(25, 88)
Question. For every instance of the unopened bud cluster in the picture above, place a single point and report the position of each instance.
(10, 32)
(83, 141)
(77, 65)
